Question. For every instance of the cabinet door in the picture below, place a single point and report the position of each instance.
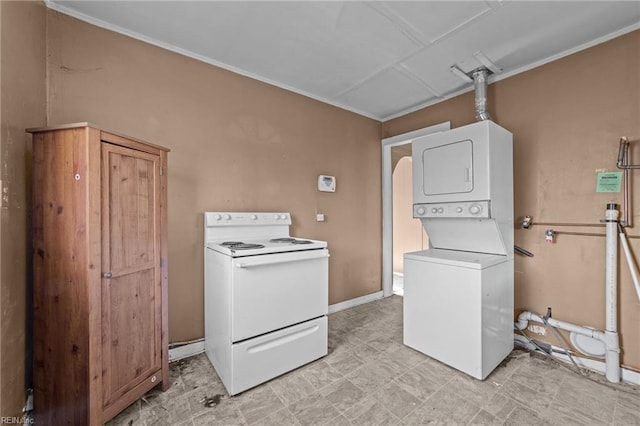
(131, 286)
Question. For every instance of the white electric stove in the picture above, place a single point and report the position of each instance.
(266, 297)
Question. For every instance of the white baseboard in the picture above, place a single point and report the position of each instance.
(186, 351)
(355, 302)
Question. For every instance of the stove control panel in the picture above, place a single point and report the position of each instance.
(244, 218)
(467, 209)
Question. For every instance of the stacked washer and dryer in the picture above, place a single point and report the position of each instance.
(458, 294)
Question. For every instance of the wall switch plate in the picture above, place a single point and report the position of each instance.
(320, 217)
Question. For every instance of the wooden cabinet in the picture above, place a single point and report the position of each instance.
(99, 273)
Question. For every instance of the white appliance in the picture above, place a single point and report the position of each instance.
(266, 297)
(458, 295)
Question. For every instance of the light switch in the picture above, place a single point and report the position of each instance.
(320, 217)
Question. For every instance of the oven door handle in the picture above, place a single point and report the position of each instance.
(324, 254)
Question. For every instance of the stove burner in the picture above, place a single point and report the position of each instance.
(290, 240)
(282, 240)
(239, 245)
(246, 246)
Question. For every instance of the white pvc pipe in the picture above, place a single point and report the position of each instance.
(633, 269)
(525, 317)
(612, 356)
(610, 336)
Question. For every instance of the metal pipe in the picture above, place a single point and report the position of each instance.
(522, 251)
(623, 164)
(579, 225)
(480, 85)
(583, 234)
(624, 144)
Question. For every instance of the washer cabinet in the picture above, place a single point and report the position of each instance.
(99, 273)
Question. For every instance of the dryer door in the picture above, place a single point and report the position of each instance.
(448, 169)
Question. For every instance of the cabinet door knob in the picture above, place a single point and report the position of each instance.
(107, 275)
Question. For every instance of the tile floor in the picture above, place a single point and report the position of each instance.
(370, 378)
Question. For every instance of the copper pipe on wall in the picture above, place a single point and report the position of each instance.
(588, 234)
(567, 224)
(623, 164)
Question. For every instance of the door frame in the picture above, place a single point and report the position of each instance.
(387, 198)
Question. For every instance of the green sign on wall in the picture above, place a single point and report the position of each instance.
(609, 182)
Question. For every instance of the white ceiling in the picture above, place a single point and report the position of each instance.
(379, 59)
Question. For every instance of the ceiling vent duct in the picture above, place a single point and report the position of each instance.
(480, 84)
(479, 79)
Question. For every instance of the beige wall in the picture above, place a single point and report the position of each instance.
(566, 117)
(22, 88)
(236, 144)
(408, 233)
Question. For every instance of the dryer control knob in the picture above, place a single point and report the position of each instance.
(217, 217)
(434, 210)
(420, 211)
(227, 217)
(283, 216)
(440, 210)
(459, 210)
(475, 209)
(254, 217)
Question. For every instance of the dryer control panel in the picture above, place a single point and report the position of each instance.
(468, 209)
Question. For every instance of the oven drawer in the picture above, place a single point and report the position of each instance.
(274, 291)
(257, 360)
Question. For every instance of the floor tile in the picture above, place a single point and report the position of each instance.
(291, 387)
(478, 392)
(258, 403)
(371, 377)
(279, 418)
(343, 362)
(521, 416)
(582, 395)
(418, 384)
(536, 401)
(206, 397)
(443, 407)
(397, 400)
(223, 415)
(320, 374)
(314, 410)
(343, 394)
(486, 419)
(370, 412)
(500, 405)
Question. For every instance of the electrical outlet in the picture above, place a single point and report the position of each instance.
(320, 217)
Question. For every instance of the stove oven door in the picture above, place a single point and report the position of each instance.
(273, 291)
